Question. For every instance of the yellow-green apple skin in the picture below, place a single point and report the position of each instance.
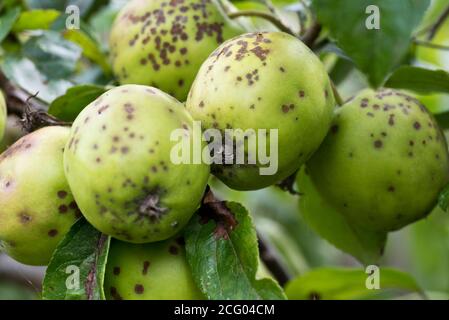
(119, 165)
(153, 271)
(264, 80)
(383, 162)
(36, 206)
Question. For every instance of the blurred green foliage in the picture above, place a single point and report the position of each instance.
(10, 290)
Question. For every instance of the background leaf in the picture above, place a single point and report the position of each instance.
(424, 81)
(375, 52)
(52, 55)
(102, 20)
(85, 248)
(443, 199)
(13, 291)
(224, 264)
(24, 73)
(427, 252)
(35, 19)
(90, 48)
(443, 119)
(342, 284)
(366, 246)
(7, 21)
(275, 214)
(419, 80)
(68, 106)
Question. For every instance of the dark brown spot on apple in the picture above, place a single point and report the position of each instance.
(73, 205)
(378, 144)
(63, 208)
(24, 218)
(146, 265)
(62, 194)
(139, 289)
(391, 120)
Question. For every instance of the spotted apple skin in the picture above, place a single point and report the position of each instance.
(36, 205)
(383, 162)
(119, 165)
(162, 43)
(153, 271)
(263, 80)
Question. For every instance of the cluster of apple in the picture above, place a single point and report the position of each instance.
(380, 159)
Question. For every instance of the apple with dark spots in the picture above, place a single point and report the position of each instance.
(162, 43)
(153, 271)
(264, 80)
(37, 207)
(119, 167)
(383, 162)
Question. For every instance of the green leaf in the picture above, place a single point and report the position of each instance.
(375, 52)
(53, 56)
(84, 38)
(25, 74)
(419, 80)
(61, 5)
(7, 21)
(341, 70)
(9, 4)
(442, 119)
(224, 264)
(443, 199)
(84, 249)
(91, 49)
(366, 246)
(68, 106)
(425, 240)
(35, 19)
(349, 284)
(275, 215)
